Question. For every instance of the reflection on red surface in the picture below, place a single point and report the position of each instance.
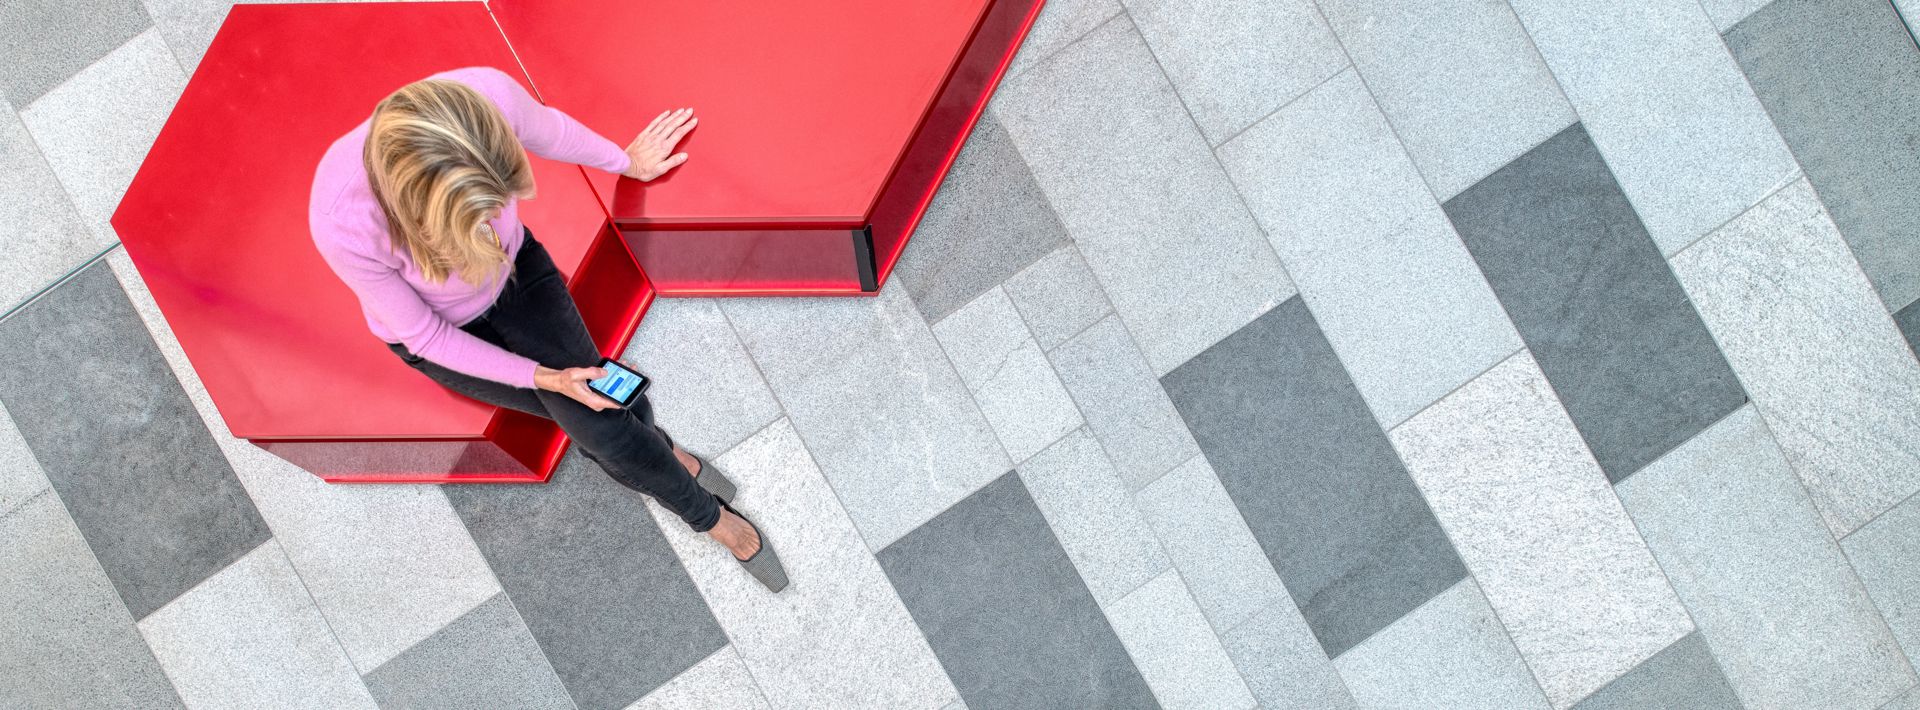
(737, 262)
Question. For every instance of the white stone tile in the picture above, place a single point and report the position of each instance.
(720, 681)
(1282, 663)
(1123, 403)
(1538, 526)
(1814, 347)
(96, 128)
(388, 565)
(1174, 648)
(1009, 377)
(838, 636)
(1234, 61)
(1449, 653)
(250, 637)
(1458, 79)
(1058, 297)
(1210, 543)
(980, 335)
(706, 391)
(1727, 13)
(1059, 24)
(1150, 209)
(1387, 278)
(1668, 108)
(869, 388)
(44, 238)
(1747, 552)
(21, 477)
(1092, 514)
(1910, 701)
(1884, 553)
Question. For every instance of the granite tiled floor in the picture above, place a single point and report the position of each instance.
(1256, 353)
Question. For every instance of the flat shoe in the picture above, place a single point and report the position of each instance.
(764, 565)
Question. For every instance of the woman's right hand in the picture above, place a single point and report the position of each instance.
(572, 382)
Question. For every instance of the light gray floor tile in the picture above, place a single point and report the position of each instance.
(1910, 701)
(1123, 404)
(45, 237)
(706, 390)
(1841, 79)
(1883, 553)
(1802, 327)
(1060, 23)
(1539, 527)
(1211, 545)
(1748, 554)
(1683, 677)
(1449, 653)
(1727, 13)
(96, 128)
(1003, 608)
(1234, 61)
(1150, 209)
(1282, 662)
(1668, 107)
(1314, 477)
(1092, 513)
(1009, 376)
(171, 513)
(69, 640)
(988, 221)
(1369, 249)
(1058, 297)
(20, 476)
(878, 403)
(593, 580)
(42, 42)
(486, 658)
(250, 637)
(1175, 649)
(1458, 79)
(980, 335)
(838, 637)
(721, 681)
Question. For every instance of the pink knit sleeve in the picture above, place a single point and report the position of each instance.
(544, 130)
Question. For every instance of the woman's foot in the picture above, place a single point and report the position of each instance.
(715, 482)
(692, 463)
(737, 535)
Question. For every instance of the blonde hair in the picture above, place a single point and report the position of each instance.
(440, 158)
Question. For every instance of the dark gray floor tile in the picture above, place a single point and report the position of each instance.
(120, 441)
(1909, 321)
(485, 658)
(1005, 611)
(594, 580)
(1314, 476)
(1596, 303)
(42, 42)
(988, 222)
(1682, 677)
(1841, 79)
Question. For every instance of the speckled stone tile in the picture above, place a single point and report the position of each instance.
(987, 222)
(43, 43)
(250, 637)
(1175, 649)
(1801, 325)
(1727, 13)
(1059, 24)
(1748, 554)
(1123, 404)
(706, 390)
(1910, 701)
(172, 513)
(486, 658)
(1596, 303)
(1329, 502)
(1058, 297)
(1010, 378)
(721, 681)
(1003, 608)
(69, 640)
(20, 478)
(1668, 107)
(1908, 321)
(1149, 208)
(1841, 80)
(1449, 653)
(838, 636)
(593, 580)
(1282, 662)
(1883, 554)
(45, 236)
(1682, 676)
(1092, 514)
(1369, 249)
(96, 128)
(879, 405)
(1540, 529)
(1234, 61)
(1459, 79)
(1210, 544)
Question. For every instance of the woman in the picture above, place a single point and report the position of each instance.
(417, 211)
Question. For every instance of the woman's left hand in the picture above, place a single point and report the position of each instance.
(652, 152)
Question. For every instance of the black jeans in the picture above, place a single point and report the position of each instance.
(535, 317)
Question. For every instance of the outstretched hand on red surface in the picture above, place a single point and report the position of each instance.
(652, 152)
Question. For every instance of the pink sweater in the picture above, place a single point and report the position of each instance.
(401, 307)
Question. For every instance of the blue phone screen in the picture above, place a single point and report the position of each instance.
(619, 383)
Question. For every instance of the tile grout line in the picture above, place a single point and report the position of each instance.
(1284, 105)
(308, 590)
(59, 281)
(505, 595)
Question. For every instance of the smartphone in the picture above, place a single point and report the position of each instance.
(622, 384)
